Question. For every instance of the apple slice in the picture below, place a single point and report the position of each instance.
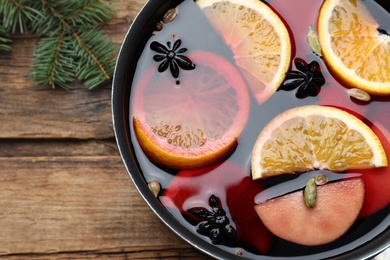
(337, 207)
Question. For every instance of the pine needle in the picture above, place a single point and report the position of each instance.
(4, 40)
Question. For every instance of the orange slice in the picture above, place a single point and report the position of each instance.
(193, 124)
(258, 38)
(352, 47)
(315, 137)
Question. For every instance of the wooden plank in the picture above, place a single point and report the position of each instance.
(44, 148)
(70, 205)
(78, 113)
(126, 253)
(125, 11)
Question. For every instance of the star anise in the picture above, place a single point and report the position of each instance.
(171, 57)
(308, 79)
(214, 224)
(383, 31)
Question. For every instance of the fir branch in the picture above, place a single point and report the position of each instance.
(54, 62)
(92, 64)
(71, 45)
(47, 21)
(16, 15)
(94, 50)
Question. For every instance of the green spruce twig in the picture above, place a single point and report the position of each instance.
(71, 44)
(54, 60)
(16, 15)
(4, 40)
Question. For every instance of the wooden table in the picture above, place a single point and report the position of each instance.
(64, 191)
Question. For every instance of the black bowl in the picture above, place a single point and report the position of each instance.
(131, 49)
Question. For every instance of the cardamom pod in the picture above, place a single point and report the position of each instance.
(155, 187)
(170, 15)
(314, 43)
(359, 94)
(321, 179)
(310, 193)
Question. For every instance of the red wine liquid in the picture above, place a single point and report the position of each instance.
(237, 192)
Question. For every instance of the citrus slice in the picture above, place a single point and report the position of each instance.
(258, 39)
(315, 137)
(353, 47)
(195, 123)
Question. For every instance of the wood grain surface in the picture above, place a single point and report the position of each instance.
(64, 192)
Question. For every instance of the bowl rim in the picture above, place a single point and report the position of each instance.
(120, 118)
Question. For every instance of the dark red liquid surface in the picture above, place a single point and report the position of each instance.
(230, 181)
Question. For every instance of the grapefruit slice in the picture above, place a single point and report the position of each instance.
(193, 124)
(337, 207)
